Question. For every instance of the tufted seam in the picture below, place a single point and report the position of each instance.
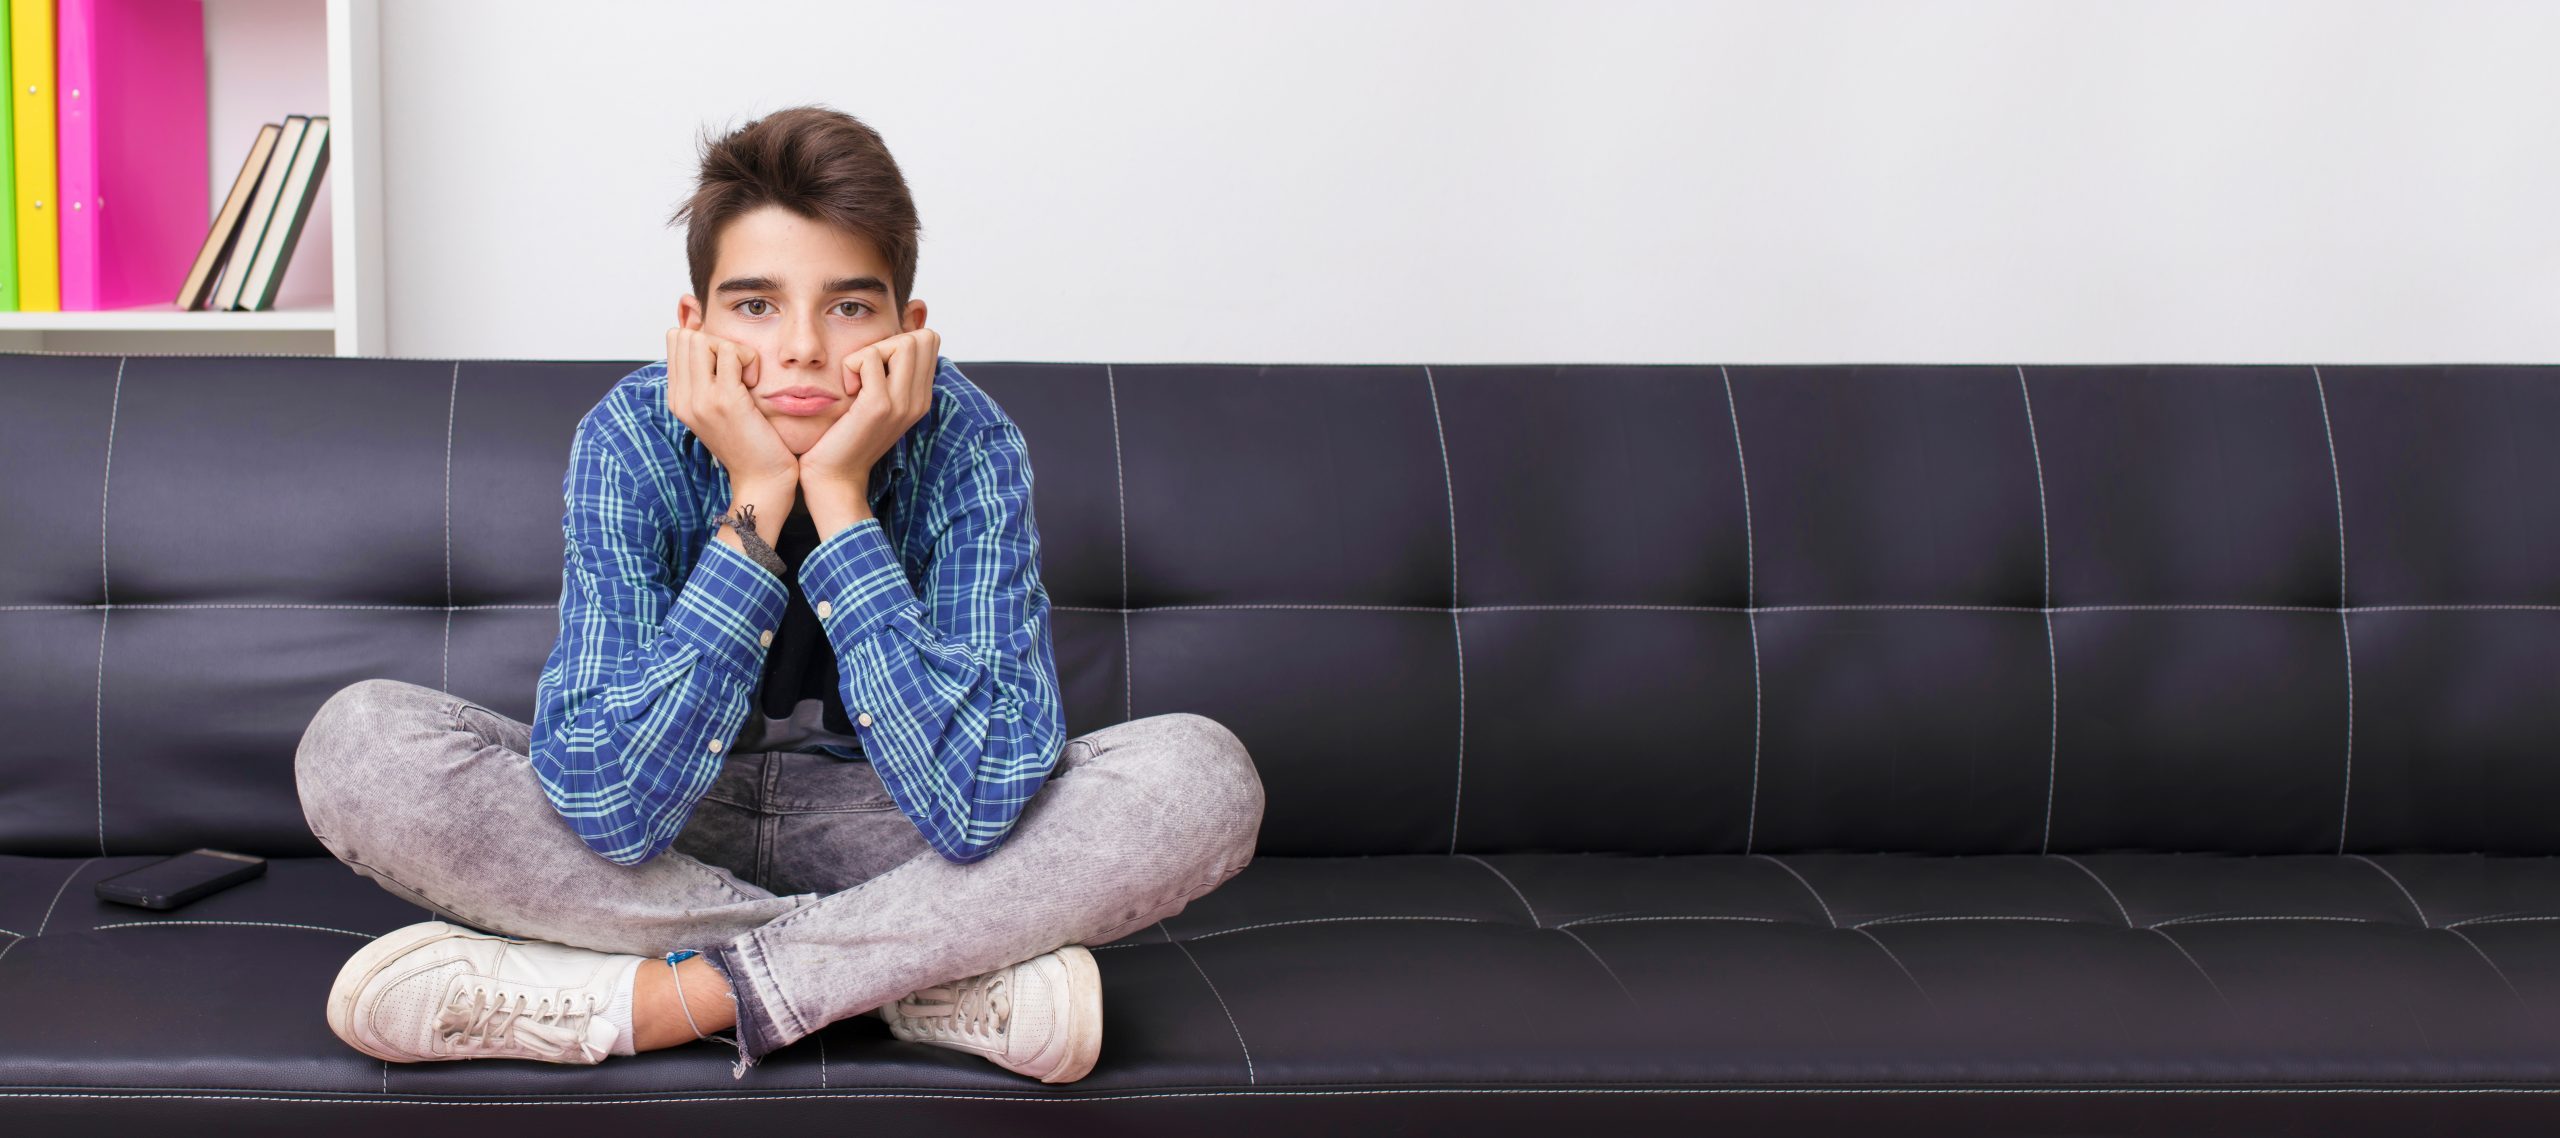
(1449, 485)
(1221, 998)
(1897, 962)
(48, 909)
(1120, 486)
(453, 397)
(2346, 635)
(2052, 654)
(1750, 605)
(1670, 917)
(2198, 965)
(1808, 887)
(1604, 965)
(1320, 921)
(1515, 890)
(2395, 883)
(1602, 607)
(258, 924)
(2493, 965)
(266, 605)
(1987, 917)
(106, 597)
(2499, 920)
(2102, 884)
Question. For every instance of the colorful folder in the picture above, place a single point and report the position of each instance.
(133, 175)
(31, 110)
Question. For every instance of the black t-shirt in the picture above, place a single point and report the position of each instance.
(800, 665)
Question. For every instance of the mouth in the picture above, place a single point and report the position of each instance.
(801, 400)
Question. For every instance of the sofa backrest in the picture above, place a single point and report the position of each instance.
(1633, 609)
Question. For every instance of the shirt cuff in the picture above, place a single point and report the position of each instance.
(856, 584)
(729, 609)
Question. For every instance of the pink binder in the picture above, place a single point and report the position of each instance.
(135, 189)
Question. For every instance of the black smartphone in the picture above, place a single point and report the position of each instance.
(176, 880)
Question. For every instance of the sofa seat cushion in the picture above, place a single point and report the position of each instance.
(1494, 970)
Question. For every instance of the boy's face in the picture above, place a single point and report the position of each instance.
(800, 296)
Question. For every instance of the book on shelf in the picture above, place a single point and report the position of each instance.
(261, 239)
(219, 240)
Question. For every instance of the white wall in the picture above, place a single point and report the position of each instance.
(1380, 181)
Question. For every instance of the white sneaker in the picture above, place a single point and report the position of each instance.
(435, 990)
(1041, 1017)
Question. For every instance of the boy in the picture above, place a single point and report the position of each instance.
(800, 739)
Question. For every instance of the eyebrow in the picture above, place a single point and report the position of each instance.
(768, 284)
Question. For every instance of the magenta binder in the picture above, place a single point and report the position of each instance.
(136, 192)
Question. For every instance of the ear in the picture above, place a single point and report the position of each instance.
(688, 312)
(914, 316)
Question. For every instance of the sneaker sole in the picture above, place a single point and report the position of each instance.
(368, 962)
(1084, 1044)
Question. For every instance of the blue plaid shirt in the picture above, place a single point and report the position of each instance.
(933, 606)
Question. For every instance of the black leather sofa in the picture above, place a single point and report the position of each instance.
(1736, 750)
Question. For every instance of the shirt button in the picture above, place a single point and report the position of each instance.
(715, 744)
(825, 610)
(765, 638)
(865, 719)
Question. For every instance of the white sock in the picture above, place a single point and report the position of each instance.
(618, 1011)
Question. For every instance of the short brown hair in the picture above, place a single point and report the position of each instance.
(815, 161)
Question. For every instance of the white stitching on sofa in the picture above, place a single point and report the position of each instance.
(2498, 920)
(2264, 917)
(1987, 917)
(260, 924)
(1515, 890)
(1808, 887)
(1600, 606)
(279, 605)
(2404, 890)
(453, 396)
(2338, 487)
(1666, 917)
(1321, 921)
(2493, 965)
(48, 909)
(1604, 965)
(1222, 1000)
(1449, 484)
(106, 597)
(2102, 884)
(1897, 962)
(1120, 485)
(1750, 605)
(2052, 654)
(2198, 965)
(58, 890)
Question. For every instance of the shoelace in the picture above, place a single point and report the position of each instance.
(977, 1008)
(473, 1020)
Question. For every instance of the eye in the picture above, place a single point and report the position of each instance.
(752, 300)
(866, 309)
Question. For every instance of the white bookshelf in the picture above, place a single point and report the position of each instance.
(266, 59)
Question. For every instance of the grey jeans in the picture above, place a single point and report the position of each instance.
(797, 875)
